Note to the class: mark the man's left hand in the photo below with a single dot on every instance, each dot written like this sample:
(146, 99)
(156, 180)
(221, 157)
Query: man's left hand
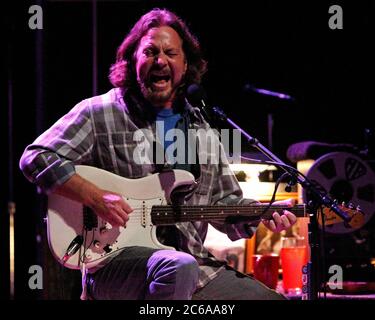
(281, 222)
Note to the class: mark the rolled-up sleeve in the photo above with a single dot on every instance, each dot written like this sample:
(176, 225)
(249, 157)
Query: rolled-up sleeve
(227, 191)
(238, 230)
(49, 161)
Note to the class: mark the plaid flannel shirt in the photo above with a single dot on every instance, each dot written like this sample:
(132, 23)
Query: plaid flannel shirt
(99, 132)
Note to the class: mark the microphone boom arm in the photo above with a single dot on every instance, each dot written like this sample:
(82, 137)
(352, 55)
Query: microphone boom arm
(301, 179)
(320, 199)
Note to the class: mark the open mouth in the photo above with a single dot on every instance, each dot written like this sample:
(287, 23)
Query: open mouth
(159, 80)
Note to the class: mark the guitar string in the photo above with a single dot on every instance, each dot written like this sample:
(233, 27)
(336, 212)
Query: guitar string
(197, 211)
(209, 213)
(212, 208)
(138, 213)
(221, 206)
(137, 218)
(215, 208)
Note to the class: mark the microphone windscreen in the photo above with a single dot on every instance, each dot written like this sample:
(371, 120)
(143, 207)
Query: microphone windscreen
(195, 93)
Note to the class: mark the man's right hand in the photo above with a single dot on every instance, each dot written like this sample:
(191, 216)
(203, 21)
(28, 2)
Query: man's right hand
(108, 205)
(111, 207)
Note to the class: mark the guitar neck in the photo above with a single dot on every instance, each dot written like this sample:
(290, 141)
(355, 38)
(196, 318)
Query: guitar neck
(164, 215)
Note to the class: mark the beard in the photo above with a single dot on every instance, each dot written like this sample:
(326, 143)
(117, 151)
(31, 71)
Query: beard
(155, 97)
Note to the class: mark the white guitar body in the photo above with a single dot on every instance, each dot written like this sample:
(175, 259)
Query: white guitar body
(150, 198)
(65, 218)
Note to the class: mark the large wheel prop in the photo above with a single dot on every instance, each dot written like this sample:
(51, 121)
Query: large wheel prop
(349, 180)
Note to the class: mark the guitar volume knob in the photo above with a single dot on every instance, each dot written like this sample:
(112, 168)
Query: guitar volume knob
(97, 244)
(103, 230)
(107, 248)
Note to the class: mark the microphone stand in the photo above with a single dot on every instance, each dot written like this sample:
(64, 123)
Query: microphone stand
(319, 199)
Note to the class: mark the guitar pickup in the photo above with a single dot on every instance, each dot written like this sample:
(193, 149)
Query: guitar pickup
(90, 219)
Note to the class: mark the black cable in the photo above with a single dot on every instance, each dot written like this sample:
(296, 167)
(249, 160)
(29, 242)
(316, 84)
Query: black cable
(62, 280)
(322, 241)
(84, 245)
(274, 192)
(81, 256)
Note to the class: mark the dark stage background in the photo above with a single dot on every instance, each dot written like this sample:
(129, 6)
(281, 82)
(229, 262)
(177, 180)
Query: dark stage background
(284, 46)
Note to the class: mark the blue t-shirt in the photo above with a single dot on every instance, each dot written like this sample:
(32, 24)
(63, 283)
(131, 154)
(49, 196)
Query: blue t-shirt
(178, 121)
(170, 120)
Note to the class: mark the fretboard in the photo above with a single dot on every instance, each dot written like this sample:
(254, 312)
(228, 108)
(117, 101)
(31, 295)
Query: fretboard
(162, 215)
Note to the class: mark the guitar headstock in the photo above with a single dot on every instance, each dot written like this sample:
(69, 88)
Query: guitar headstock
(354, 212)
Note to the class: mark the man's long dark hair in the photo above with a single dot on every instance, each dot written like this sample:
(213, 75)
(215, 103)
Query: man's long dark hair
(122, 72)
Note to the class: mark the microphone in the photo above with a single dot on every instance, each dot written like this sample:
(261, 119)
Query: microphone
(72, 248)
(249, 87)
(197, 96)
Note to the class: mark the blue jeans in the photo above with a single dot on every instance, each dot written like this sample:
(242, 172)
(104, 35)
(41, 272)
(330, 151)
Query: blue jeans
(233, 285)
(140, 273)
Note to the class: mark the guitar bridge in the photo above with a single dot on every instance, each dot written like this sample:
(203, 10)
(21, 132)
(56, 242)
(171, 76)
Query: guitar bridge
(143, 216)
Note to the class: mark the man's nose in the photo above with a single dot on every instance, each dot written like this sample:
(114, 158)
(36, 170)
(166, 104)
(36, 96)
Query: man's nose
(161, 60)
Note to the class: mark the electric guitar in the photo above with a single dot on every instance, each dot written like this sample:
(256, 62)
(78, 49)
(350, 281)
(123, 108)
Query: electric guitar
(77, 235)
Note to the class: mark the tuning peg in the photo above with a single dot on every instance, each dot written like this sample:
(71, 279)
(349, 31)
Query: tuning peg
(343, 204)
(351, 205)
(359, 209)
